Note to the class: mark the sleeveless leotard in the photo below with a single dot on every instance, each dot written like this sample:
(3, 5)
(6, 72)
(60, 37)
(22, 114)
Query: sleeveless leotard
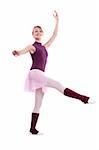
(39, 58)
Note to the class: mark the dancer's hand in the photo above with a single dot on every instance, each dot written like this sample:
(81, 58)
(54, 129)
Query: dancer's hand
(15, 53)
(55, 15)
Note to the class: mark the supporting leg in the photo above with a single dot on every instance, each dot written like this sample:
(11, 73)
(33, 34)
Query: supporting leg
(38, 101)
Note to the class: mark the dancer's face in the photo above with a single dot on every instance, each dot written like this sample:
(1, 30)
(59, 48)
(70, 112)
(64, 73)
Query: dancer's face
(37, 33)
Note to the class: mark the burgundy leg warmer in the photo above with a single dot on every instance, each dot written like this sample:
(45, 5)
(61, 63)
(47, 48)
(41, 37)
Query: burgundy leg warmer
(70, 93)
(33, 123)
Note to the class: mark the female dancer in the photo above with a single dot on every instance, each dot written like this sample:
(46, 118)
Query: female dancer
(36, 80)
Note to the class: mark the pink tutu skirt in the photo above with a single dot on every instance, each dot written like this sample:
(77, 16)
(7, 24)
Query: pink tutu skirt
(35, 79)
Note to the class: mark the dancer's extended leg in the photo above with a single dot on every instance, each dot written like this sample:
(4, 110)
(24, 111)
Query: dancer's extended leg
(66, 91)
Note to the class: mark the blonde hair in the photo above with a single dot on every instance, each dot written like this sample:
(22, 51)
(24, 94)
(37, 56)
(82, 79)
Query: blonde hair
(37, 27)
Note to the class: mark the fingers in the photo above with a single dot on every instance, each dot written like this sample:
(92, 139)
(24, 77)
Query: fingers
(15, 53)
(55, 14)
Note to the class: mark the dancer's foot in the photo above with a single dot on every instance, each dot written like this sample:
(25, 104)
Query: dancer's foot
(85, 99)
(34, 131)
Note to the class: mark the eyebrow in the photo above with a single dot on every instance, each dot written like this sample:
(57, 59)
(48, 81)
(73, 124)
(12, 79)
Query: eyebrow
(37, 30)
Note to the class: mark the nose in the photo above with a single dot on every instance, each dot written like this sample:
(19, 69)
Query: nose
(38, 34)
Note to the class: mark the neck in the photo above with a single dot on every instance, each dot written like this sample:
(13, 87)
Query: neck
(38, 40)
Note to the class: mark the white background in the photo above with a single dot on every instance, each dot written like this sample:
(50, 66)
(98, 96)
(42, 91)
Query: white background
(65, 123)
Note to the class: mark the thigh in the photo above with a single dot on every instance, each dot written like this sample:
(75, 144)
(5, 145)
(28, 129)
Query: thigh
(52, 83)
(55, 84)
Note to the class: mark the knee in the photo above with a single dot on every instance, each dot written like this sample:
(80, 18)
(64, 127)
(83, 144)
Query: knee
(57, 83)
(36, 109)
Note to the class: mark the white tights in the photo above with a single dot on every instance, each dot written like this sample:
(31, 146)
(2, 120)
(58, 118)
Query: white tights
(39, 94)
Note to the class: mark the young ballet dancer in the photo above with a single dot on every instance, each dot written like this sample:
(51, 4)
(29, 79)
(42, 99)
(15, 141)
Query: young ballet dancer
(36, 80)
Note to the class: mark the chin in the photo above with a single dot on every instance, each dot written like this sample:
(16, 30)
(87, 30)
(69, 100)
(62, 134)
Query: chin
(37, 38)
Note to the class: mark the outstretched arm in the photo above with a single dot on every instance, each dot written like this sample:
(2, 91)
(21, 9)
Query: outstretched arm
(29, 48)
(49, 42)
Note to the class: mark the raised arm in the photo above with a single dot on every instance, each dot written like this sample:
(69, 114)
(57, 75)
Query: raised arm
(29, 48)
(49, 42)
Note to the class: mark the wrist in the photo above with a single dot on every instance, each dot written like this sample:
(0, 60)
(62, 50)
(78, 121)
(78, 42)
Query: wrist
(57, 20)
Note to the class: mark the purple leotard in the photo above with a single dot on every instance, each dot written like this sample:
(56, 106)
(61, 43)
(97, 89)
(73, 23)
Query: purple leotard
(39, 58)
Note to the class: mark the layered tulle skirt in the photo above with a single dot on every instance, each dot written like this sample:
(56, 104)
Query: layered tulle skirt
(34, 80)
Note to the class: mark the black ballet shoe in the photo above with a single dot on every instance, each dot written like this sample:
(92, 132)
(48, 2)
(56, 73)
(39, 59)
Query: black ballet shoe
(34, 131)
(85, 99)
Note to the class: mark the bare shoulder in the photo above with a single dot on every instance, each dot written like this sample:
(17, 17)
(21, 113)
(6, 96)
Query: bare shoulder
(32, 48)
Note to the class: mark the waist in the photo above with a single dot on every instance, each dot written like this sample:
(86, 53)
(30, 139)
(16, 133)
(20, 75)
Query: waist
(40, 66)
(38, 69)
